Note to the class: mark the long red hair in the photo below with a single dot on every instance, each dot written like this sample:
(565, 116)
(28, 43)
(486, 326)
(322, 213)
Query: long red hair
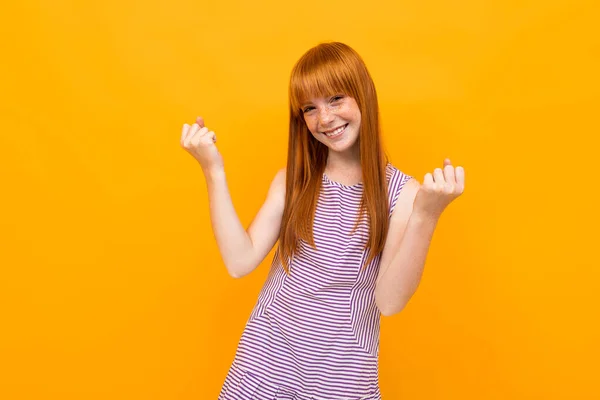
(325, 70)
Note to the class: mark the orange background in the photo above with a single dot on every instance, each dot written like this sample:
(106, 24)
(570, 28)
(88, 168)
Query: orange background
(111, 284)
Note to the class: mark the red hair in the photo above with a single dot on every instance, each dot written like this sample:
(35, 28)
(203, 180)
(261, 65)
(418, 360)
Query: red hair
(325, 70)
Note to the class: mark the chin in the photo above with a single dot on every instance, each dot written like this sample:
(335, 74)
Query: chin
(342, 147)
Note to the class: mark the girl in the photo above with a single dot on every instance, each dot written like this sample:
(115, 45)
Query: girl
(353, 236)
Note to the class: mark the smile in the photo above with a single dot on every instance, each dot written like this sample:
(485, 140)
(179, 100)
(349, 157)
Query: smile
(336, 132)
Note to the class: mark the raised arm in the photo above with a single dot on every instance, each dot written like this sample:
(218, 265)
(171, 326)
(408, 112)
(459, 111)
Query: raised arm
(242, 250)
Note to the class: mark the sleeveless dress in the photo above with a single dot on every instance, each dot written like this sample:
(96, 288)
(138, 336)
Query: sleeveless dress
(314, 335)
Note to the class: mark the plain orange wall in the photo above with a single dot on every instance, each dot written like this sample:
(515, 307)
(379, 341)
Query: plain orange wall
(111, 284)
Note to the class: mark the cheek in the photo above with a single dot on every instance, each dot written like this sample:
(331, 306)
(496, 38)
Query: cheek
(311, 124)
(351, 113)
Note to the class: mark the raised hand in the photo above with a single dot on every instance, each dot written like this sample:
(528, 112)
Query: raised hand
(439, 189)
(200, 143)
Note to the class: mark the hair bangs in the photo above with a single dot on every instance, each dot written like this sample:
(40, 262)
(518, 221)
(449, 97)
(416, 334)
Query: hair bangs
(316, 75)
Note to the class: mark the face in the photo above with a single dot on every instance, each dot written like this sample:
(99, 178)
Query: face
(333, 121)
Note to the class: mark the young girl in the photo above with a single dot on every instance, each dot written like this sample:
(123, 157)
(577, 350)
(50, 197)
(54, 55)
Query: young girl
(353, 236)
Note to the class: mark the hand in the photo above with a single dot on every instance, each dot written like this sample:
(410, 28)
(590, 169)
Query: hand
(200, 143)
(439, 190)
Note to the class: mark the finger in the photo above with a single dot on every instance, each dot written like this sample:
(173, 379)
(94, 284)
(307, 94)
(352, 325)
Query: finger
(460, 179)
(447, 162)
(184, 131)
(428, 180)
(210, 136)
(200, 121)
(438, 176)
(199, 136)
(449, 174)
(202, 132)
(194, 131)
(188, 134)
(202, 136)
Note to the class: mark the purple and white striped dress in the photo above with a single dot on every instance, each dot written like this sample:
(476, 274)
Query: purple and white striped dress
(314, 335)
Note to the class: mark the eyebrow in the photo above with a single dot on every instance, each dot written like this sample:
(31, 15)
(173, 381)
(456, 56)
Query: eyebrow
(309, 103)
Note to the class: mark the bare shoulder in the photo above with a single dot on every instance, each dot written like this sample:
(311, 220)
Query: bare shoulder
(277, 189)
(406, 197)
(404, 204)
(410, 189)
(280, 177)
(398, 222)
(278, 183)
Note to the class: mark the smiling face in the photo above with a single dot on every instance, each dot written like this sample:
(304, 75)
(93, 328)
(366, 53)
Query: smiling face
(333, 121)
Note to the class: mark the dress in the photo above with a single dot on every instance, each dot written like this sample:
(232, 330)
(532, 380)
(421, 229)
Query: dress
(314, 335)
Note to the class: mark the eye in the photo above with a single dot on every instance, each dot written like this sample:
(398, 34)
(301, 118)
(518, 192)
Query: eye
(307, 109)
(336, 98)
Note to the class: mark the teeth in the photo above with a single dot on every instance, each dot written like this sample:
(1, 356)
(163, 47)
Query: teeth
(337, 131)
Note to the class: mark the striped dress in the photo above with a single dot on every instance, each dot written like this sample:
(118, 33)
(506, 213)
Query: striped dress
(314, 335)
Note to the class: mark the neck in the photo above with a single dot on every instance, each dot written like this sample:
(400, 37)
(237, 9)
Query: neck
(349, 159)
(344, 166)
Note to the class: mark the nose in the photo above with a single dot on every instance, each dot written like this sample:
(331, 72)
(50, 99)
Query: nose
(325, 115)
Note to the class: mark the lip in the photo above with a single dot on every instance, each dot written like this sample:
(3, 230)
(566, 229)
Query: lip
(334, 129)
(331, 130)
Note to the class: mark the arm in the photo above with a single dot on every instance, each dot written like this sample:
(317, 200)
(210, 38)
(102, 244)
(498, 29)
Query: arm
(413, 222)
(242, 251)
(403, 256)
